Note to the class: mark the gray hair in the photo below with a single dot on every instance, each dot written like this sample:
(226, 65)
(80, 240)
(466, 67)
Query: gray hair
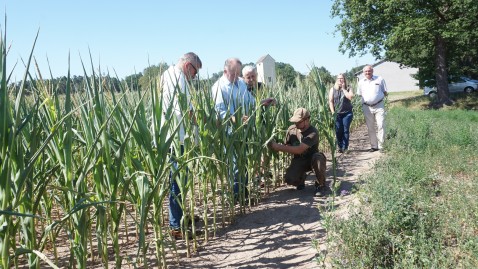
(367, 65)
(190, 57)
(230, 62)
(248, 68)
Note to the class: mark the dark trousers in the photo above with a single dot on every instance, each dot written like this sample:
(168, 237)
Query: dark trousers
(342, 129)
(295, 173)
(175, 210)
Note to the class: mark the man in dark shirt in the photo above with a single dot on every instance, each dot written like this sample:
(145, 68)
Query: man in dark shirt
(302, 140)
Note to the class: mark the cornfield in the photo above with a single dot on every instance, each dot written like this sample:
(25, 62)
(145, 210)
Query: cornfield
(86, 172)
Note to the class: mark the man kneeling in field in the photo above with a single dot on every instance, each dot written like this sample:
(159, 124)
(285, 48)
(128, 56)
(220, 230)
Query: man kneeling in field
(302, 140)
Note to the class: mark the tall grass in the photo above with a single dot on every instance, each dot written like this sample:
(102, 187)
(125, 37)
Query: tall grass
(418, 208)
(84, 170)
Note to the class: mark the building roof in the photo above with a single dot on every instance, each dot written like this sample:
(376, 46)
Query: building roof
(263, 58)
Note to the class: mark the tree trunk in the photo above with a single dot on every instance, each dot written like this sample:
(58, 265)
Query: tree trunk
(441, 73)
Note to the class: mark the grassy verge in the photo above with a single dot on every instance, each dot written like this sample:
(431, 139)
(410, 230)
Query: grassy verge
(392, 96)
(418, 208)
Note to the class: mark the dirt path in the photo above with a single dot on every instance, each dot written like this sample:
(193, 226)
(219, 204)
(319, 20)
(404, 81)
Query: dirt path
(278, 232)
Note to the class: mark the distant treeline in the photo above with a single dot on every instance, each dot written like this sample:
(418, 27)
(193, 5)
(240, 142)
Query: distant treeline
(284, 71)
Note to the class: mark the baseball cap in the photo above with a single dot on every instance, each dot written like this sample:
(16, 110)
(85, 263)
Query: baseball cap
(300, 114)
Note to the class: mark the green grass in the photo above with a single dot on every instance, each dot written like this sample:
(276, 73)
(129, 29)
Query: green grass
(393, 96)
(419, 205)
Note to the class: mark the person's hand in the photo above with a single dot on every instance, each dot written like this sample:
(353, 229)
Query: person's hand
(272, 145)
(268, 101)
(245, 119)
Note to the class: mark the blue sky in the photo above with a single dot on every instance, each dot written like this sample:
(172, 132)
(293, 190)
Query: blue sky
(127, 36)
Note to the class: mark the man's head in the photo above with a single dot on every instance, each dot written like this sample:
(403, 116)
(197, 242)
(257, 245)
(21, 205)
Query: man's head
(190, 65)
(368, 71)
(232, 69)
(301, 118)
(249, 73)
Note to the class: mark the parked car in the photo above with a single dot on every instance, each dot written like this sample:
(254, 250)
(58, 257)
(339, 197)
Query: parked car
(462, 84)
(469, 79)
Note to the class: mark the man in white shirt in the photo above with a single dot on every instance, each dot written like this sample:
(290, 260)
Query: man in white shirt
(373, 90)
(175, 84)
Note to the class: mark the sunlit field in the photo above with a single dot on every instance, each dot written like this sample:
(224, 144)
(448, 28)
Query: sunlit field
(85, 172)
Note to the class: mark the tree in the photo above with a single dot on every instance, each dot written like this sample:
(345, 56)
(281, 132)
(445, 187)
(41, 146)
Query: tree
(324, 74)
(285, 72)
(150, 73)
(434, 36)
(131, 82)
(350, 75)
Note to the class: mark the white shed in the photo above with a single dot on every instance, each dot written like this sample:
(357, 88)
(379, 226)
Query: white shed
(266, 70)
(397, 79)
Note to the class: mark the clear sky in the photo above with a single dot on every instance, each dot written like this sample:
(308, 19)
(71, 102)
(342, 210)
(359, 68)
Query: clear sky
(127, 36)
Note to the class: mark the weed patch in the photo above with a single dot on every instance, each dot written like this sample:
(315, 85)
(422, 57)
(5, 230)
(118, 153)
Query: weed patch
(419, 206)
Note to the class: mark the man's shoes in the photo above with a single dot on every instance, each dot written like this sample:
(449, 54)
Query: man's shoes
(373, 150)
(196, 219)
(321, 191)
(341, 151)
(177, 235)
(300, 187)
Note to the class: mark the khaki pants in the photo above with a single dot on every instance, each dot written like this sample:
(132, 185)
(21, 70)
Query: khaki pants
(375, 120)
(295, 173)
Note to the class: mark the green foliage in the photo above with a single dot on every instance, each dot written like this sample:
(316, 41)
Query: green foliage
(151, 73)
(214, 77)
(286, 73)
(325, 77)
(432, 36)
(417, 208)
(131, 82)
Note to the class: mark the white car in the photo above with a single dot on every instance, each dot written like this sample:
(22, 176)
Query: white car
(462, 84)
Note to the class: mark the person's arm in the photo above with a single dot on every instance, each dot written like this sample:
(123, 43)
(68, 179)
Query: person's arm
(219, 103)
(348, 93)
(331, 100)
(268, 101)
(296, 150)
(359, 89)
(384, 88)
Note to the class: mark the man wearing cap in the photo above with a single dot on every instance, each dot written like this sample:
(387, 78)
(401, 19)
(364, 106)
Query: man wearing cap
(373, 90)
(302, 140)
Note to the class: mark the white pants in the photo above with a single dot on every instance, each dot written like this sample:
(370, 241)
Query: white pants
(375, 120)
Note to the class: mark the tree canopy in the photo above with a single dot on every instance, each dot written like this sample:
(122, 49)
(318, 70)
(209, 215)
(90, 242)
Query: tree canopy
(435, 36)
(286, 72)
(324, 75)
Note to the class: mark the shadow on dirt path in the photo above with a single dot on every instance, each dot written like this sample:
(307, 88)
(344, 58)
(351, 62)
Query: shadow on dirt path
(278, 232)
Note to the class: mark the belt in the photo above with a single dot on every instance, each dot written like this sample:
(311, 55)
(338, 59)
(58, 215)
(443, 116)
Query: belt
(374, 104)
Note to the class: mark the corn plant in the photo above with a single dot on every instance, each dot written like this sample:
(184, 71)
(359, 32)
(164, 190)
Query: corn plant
(86, 163)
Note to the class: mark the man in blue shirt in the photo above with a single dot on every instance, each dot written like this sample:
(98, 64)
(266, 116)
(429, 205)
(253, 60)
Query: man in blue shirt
(233, 100)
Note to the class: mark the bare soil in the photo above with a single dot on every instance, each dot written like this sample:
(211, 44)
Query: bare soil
(278, 232)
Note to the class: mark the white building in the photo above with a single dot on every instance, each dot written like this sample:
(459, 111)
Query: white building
(397, 79)
(266, 70)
